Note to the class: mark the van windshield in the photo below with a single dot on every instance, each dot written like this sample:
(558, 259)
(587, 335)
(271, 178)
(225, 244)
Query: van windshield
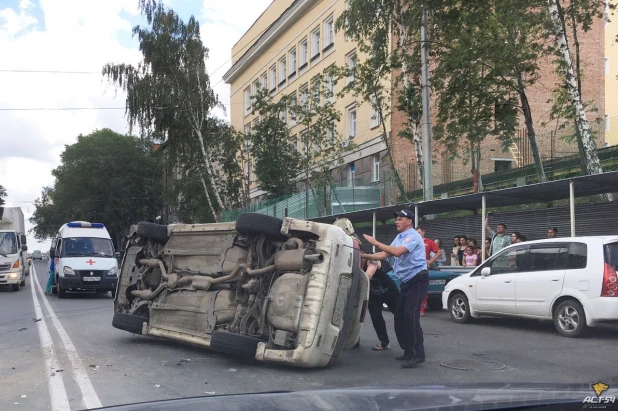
(86, 247)
(8, 243)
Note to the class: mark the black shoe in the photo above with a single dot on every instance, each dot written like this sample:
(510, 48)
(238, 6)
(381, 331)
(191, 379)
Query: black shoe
(404, 357)
(357, 345)
(413, 363)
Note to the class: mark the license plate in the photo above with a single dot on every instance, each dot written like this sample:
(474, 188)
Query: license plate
(437, 282)
(91, 278)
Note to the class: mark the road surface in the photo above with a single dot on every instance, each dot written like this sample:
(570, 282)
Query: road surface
(74, 359)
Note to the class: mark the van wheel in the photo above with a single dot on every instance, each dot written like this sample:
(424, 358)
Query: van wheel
(61, 291)
(243, 346)
(23, 282)
(256, 223)
(459, 307)
(151, 230)
(570, 319)
(15, 287)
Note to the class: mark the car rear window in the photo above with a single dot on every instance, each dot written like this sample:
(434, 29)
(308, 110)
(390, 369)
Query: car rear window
(610, 254)
(578, 256)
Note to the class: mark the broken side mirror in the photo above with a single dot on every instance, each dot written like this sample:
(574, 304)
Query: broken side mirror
(24, 239)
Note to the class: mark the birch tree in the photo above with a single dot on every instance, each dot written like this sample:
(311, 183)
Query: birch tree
(169, 95)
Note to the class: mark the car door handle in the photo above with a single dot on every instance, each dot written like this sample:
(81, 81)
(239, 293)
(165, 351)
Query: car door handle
(555, 280)
(507, 281)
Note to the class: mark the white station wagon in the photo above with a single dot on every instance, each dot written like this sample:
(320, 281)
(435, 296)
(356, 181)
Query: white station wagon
(572, 281)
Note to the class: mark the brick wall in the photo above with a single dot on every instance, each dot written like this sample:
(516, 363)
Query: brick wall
(551, 143)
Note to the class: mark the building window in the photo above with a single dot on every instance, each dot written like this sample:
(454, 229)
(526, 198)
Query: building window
(255, 88)
(606, 65)
(294, 144)
(351, 175)
(292, 58)
(264, 81)
(247, 100)
(350, 60)
(303, 52)
(329, 32)
(502, 165)
(292, 106)
(376, 167)
(606, 122)
(304, 95)
(256, 123)
(352, 122)
(374, 120)
(330, 136)
(273, 78)
(283, 116)
(315, 43)
(282, 70)
(330, 88)
(248, 129)
(315, 91)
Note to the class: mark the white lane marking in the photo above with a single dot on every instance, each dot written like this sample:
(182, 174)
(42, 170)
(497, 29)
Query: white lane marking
(57, 392)
(89, 396)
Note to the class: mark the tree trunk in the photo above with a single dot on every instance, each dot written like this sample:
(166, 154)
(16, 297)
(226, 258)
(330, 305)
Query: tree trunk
(209, 171)
(534, 148)
(212, 210)
(590, 151)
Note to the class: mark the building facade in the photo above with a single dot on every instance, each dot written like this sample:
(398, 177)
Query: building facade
(290, 44)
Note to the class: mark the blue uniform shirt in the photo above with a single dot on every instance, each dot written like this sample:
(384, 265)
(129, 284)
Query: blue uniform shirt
(410, 263)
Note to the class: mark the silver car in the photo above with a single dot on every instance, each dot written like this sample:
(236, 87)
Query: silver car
(287, 291)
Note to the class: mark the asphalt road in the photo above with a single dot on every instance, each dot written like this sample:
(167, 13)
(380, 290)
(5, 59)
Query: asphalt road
(105, 366)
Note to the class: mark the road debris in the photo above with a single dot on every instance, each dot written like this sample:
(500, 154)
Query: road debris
(209, 392)
(23, 396)
(22, 329)
(157, 385)
(184, 360)
(36, 320)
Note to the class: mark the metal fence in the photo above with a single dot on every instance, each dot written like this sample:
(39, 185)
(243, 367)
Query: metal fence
(499, 168)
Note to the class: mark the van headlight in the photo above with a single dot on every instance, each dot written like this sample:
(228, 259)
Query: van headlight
(113, 272)
(68, 271)
(14, 275)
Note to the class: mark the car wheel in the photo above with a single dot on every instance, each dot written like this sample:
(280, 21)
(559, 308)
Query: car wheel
(459, 307)
(129, 322)
(434, 303)
(151, 230)
(15, 287)
(255, 223)
(61, 291)
(243, 346)
(570, 319)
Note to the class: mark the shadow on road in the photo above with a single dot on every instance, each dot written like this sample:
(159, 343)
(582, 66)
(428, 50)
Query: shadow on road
(603, 331)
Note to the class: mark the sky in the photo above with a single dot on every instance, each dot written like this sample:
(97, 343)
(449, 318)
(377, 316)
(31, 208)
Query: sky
(51, 55)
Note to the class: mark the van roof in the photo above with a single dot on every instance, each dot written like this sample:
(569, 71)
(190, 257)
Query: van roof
(83, 229)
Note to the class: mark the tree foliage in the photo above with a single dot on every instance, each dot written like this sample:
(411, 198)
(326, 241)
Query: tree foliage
(270, 144)
(103, 177)
(2, 195)
(169, 96)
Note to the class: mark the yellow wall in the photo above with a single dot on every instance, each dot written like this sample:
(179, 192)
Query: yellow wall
(611, 82)
(303, 26)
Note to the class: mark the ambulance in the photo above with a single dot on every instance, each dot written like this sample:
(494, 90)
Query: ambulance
(84, 259)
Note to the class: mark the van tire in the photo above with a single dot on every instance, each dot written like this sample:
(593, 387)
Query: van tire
(129, 322)
(15, 287)
(255, 224)
(243, 346)
(153, 231)
(570, 319)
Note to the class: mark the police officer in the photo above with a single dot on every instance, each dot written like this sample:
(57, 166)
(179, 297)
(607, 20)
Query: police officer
(410, 267)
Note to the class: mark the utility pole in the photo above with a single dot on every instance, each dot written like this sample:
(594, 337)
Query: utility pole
(426, 126)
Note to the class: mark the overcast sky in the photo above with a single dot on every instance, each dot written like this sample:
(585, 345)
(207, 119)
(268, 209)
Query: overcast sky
(82, 35)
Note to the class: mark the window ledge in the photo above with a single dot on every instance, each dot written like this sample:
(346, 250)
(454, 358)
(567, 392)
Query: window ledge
(303, 66)
(330, 46)
(292, 74)
(281, 83)
(315, 57)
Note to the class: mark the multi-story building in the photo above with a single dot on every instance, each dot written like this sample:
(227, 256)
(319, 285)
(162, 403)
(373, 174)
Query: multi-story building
(290, 44)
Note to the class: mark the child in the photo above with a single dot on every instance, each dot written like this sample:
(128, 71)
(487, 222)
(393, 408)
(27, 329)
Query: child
(470, 258)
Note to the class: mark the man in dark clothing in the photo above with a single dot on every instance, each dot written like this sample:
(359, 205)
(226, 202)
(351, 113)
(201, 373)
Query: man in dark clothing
(382, 290)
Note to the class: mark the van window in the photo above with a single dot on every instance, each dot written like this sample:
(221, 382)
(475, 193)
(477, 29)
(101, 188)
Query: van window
(610, 253)
(547, 258)
(86, 247)
(578, 256)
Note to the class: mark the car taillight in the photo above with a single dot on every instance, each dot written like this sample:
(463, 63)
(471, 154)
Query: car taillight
(610, 282)
(363, 312)
(16, 265)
